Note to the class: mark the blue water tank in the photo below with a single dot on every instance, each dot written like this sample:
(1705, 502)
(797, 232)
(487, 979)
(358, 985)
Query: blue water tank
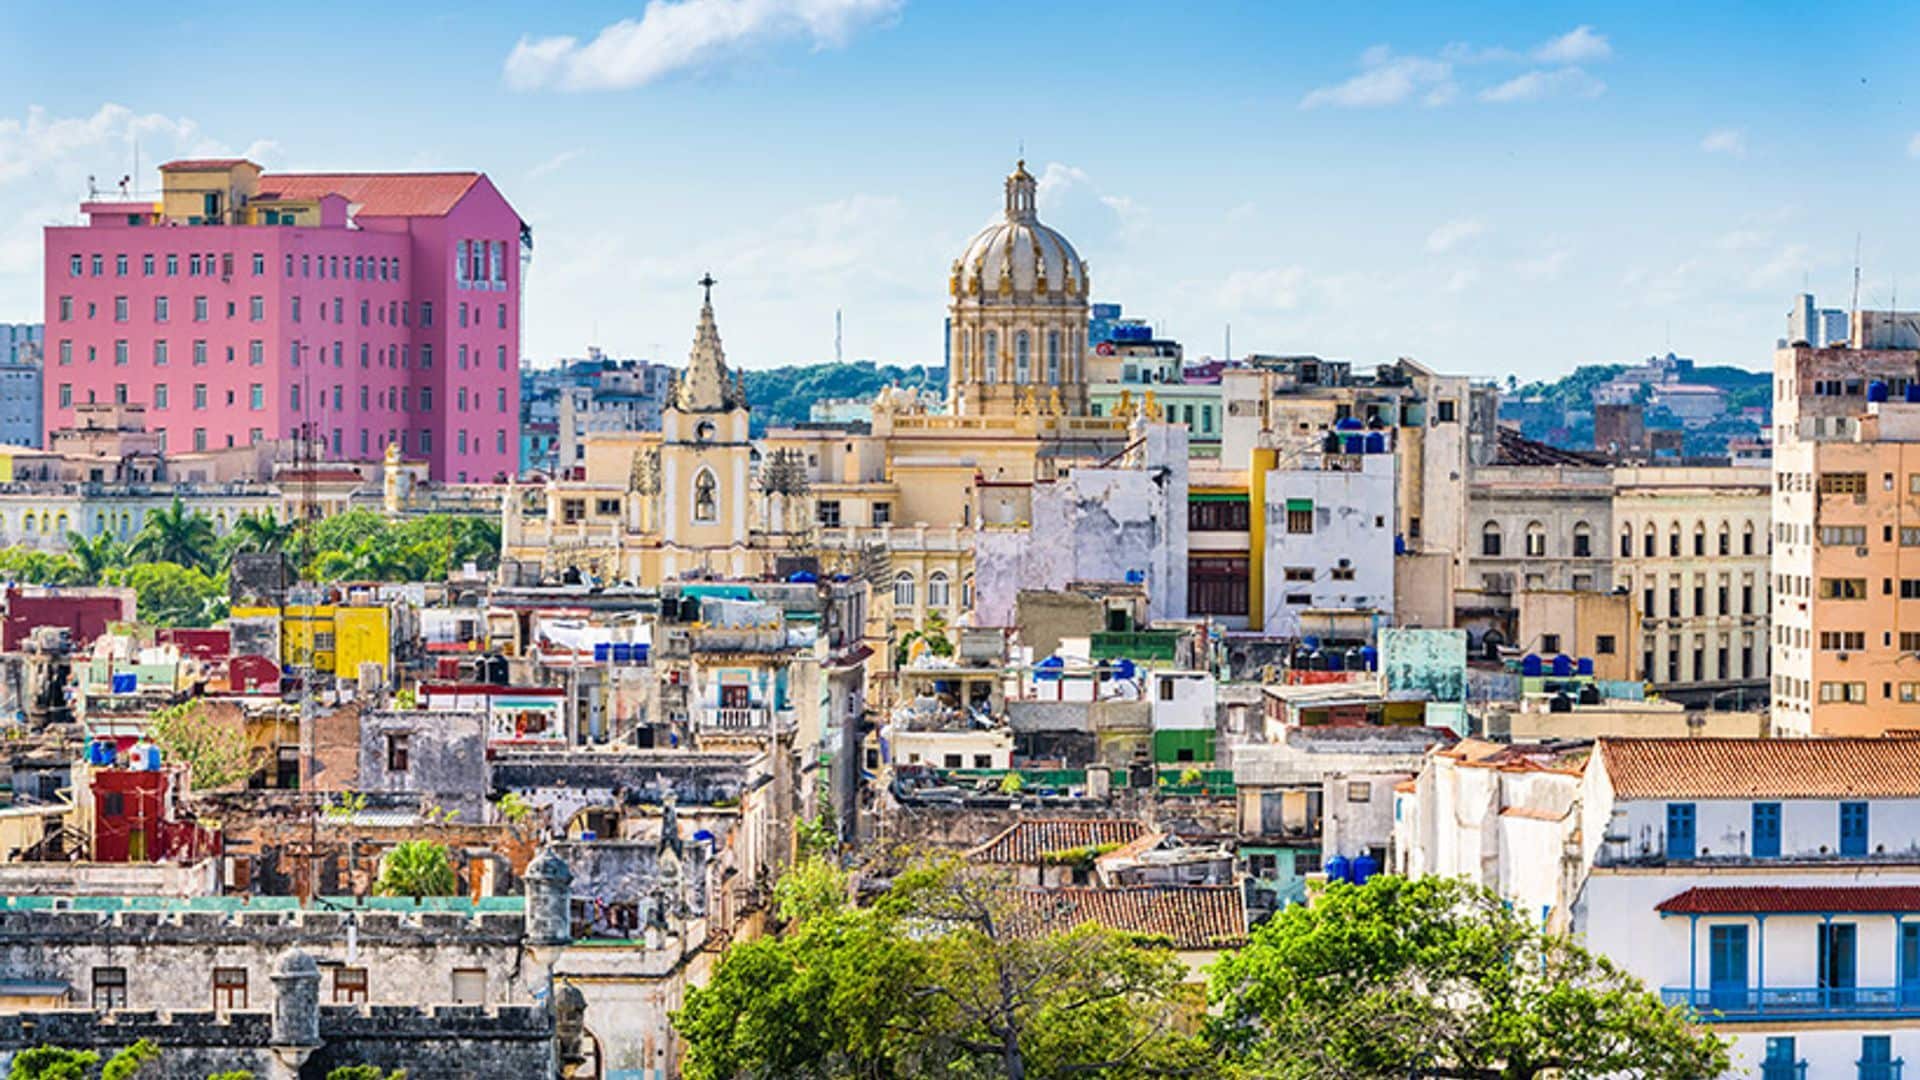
(1136, 577)
(1562, 666)
(1913, 393)
(153, 758)
(1123, 669)
(1399, 544)
(622, 652)
(1371, 657)
(1334, 663)
(1348, 424)
(1376, 443)
(602, 652)
(1355, 443)
(125, 684)
(1048, 670)
(1876, 391)
(1364, 867)
(1530, 666)
(1312, 643)
(803, 577)
(1338, 868)
(1585, 667)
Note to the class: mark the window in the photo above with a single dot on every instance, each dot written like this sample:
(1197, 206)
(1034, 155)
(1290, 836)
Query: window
(1022, 357)
(1536, 539)
(1300, 517)
(200, 395)
(1446, 411)
(349, 985)
(1582, 541)
(200, 353)
(1217, 515)
(120, 352)
(1853, 828)
(469, 986)
(1680, 818)
(119, 309)
(1359, 791)
(1849, 693)
(173, 266)
(109, 988)
(903, 588)
(826, 513)
(1843, 588)
(706, 496)
(1217, 585)
(159, 395)
(1843, 535)
(1490, 539)
(1550, 643)
(1766, 830)
(256, 308)
(397, 746)
(938, 592)
(1843, 483)
(199, 309)
(1843, 640)
(229, 988)
(1603, 645)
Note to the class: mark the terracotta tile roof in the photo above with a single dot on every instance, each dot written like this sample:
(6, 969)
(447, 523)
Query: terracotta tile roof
(377, 194)
(1774, 768)
(1026, 843)
(1189, 916)
(199, 164)
(1534, 813)
(1513, 448)
(1787, 900)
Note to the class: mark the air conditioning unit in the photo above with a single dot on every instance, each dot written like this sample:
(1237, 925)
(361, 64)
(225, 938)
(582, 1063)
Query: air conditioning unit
(1860, 551)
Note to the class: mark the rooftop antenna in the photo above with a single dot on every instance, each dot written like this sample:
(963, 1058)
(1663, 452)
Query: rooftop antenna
(1229, 356)
(836, 336)
(1854, 310)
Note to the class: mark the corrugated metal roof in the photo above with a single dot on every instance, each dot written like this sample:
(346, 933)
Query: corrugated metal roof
(1763, 768)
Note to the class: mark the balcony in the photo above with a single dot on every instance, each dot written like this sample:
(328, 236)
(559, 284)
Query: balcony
(742, 720)
(1801, 1003)
(1880, 1070)
(1783, 1070)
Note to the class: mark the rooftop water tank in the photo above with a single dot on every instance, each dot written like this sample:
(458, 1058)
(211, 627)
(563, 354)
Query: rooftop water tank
(1562, 666)
(1370, 656)
(1530, 666)
(1338, 868)
(1376, 443)
(1364, 867)
(1585, 666)
(1876, 391)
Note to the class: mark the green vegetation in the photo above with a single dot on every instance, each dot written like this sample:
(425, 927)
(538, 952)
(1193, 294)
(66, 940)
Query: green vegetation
(782, 396)
(1435, 977)
(933, 632)
(365, 1072)
(215, 753)
(56, 1063)
(417, 868)
(361, 545)
(933, 980)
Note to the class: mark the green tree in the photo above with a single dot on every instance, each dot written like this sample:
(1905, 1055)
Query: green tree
(933, 632)
(261, 531)
(131, 1062)
(365, 1072)
(57, 1063)
(32, 567)
(93, 558)
(1434, 977)
(173, 595)
(174, 534)
(948, 975)
(215, 754)
(417, 868)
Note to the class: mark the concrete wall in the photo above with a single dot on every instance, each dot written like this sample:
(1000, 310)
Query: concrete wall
(1346, 561)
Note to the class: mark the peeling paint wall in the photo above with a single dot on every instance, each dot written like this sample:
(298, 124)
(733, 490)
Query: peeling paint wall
(1346, 561)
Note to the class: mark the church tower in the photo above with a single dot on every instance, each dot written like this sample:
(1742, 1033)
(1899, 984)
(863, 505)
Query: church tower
(702, 479)
(1017, 317)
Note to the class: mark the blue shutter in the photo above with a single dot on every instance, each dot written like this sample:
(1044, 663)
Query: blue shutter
(1680, 831)
(1766, 830)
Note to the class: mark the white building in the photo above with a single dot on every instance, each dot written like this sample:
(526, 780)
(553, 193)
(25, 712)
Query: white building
(1329, 540)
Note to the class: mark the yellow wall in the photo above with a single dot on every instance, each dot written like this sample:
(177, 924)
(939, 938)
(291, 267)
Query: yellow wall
(358, 634)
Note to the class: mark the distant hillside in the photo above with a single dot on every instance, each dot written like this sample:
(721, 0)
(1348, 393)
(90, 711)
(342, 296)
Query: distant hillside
(781, 396)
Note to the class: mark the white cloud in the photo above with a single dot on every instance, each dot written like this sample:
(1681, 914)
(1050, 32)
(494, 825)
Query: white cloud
(553, 164)
(673, 35)
(1387, 79)
(1577, 46)
(1725, 141)
(1072, 202)
(1264, 290)
(1913, 147)
(1453, 234)
(1462, 279)
(106, 138)
(1543, 267)
(1783, 269)
(1539, 83)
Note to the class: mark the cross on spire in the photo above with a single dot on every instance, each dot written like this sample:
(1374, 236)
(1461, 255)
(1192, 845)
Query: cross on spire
(707, 282)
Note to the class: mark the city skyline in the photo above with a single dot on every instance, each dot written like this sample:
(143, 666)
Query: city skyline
(1681, 179)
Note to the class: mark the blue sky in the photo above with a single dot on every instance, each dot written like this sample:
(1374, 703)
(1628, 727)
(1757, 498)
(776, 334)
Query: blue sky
(1518, 188)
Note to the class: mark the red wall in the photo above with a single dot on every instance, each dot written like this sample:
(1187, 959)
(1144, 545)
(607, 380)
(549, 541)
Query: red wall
(84, 615)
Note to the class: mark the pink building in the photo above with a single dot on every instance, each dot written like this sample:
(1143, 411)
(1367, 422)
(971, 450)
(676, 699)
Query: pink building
(362, 308)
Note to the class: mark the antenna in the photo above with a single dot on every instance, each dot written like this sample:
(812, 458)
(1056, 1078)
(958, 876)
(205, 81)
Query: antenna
(1855, 309)
(836, 336)
(1229, 356)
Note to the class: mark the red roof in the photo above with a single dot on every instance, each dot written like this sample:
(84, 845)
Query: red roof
(1793, 900)
(1831, 768)
(1029, 842)
(200, 164)
(377, 194)
(1188, 916)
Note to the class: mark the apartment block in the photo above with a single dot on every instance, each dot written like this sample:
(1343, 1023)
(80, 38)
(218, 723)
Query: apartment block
(354, 310)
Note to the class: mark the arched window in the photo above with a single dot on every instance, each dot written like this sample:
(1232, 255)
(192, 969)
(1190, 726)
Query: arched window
(1651, 539)
(1053, 357)
(1726, 539)
(706, 496)
(1673, 540)
(1700, 538)
(1022, 358)
(966, 592)
(903, 589)
(990, 357)
(937, 591)
(964, 346)
(1746, 540)
(1536, 539)
(1582, 541)
(1626, 541)
(27, 524)
(1490, 539)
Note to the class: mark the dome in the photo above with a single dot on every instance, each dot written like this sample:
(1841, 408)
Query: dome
(1018, 259)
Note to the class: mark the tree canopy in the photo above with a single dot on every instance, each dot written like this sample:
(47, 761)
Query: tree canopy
(417, 868)
(946, 976)
(1433, 977)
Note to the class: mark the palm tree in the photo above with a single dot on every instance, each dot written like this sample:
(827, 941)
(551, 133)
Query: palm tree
(261, 532)
(95, 557)
(417, 868)
(176, 535)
